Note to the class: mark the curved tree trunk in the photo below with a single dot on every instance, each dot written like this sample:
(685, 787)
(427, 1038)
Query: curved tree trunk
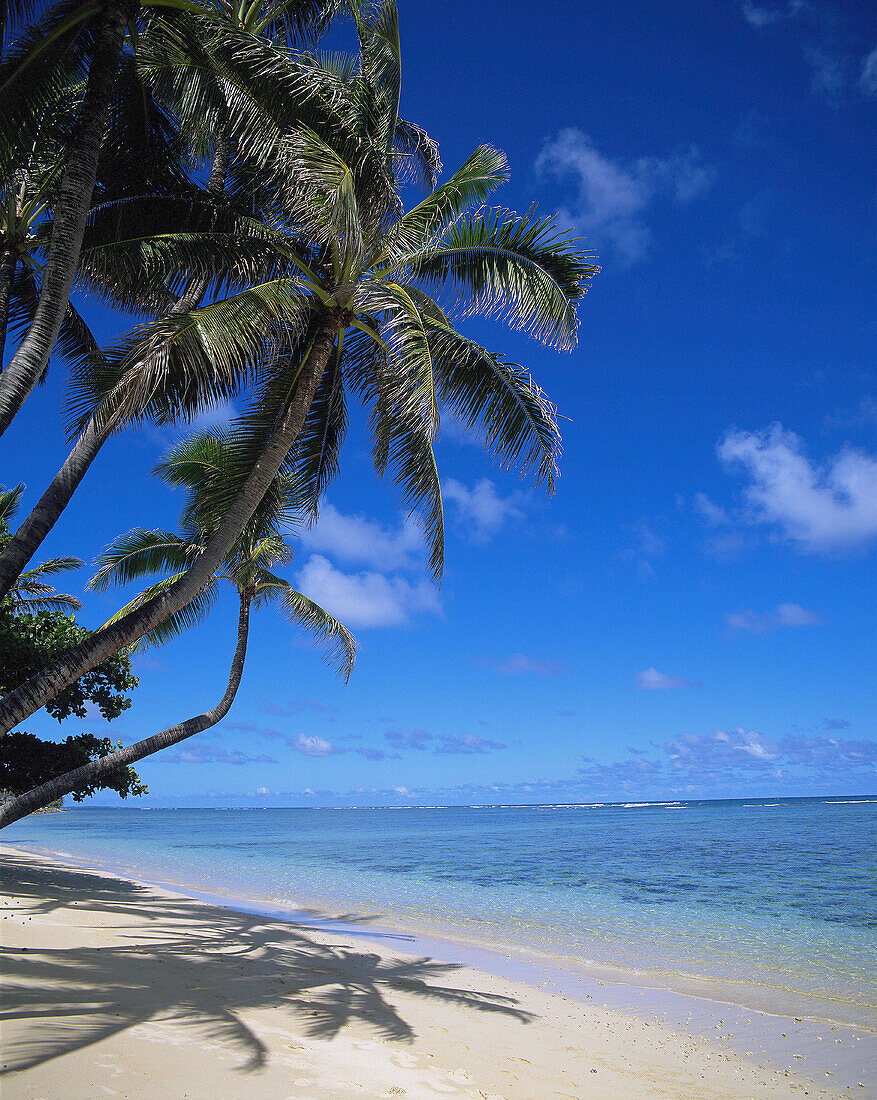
(29, 536)
(24, 544)
(74, 200)
(7, 274)
(56, 788)
(30, 696)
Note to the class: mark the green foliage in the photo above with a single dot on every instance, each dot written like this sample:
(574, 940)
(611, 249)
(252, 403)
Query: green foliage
(27, 761)
(30, 642)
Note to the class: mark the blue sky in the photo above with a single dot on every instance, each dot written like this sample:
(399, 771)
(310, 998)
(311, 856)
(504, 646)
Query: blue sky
(693, 613)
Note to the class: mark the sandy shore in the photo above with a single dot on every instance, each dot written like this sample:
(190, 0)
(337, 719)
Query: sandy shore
(112, 988)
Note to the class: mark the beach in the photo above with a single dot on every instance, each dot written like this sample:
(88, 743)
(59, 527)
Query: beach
(116, 988)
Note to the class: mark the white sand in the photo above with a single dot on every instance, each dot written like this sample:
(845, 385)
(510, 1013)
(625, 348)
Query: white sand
(111, 988)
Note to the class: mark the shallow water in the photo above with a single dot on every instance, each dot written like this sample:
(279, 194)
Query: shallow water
(772, 903)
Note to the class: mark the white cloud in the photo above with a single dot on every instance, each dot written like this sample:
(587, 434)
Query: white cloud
(481, 508)
(652, 680)
(357, 539)
(612, 197)
(785, 614)
(828, 71)
(714, 514)
(519, 664)
(467, 745)
(365, 599)
(868, 79)
(832, 507)
(720, 749)
(314, 746)
(757, 15)
(213, 754)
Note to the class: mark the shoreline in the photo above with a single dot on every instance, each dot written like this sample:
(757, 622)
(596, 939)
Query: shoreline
(710, 1031)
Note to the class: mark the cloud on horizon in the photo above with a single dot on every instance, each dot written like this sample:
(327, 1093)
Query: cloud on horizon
(612, 198)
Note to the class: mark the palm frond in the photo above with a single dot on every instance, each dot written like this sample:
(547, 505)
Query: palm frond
(31, 605)
(402, 438)
(331, 212)
(498, 401)
(521, 269)
(339, 644)
(313, 463)
(485, 170)
(179, 365)
(417, 155)
(140, 553)
(9, 502)
(189, 616)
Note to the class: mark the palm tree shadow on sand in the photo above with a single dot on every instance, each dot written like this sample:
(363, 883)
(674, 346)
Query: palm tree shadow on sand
(198, 968)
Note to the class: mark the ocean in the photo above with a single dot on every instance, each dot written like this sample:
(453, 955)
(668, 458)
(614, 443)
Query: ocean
(771, 903)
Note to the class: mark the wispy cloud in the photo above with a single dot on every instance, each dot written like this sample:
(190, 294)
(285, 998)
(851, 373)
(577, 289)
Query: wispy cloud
(213, 754)
(354, 538)
(420, 741)
(314, 745)
(611, 198)
(467, 744)
(652, 680)
(481, 510)
(831, 507)
(819, 30)
(868, 79)
(519, 665)
(295, 707)
(784, 614)
(706, 762)
(365, 599)
(408, 738)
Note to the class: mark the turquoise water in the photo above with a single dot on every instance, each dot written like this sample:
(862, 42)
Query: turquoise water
(772, 903)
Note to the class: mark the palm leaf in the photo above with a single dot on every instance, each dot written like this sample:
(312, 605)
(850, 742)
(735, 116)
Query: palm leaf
(140, 553)
(339, 643)
(521, 269)
(497, 400)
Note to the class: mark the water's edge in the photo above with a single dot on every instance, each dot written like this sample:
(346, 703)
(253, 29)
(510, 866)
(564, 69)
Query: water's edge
(835, 1053)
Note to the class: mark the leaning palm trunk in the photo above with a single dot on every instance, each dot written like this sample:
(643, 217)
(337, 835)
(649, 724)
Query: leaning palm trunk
(51, 504)
(74, 200)
(7, 274)
(29, 537)
(36, 692)
(56, 788)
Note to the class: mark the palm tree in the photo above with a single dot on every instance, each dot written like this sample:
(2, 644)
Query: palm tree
(31, 592)
(59, 33)
(216, 89)
(201, 465)
(68, 36)
(359, 308)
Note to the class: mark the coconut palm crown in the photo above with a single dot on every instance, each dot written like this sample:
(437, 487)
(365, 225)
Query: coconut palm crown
(200, 465)
(366, 302)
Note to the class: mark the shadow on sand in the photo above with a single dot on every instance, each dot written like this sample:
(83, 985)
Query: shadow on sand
(182, 962)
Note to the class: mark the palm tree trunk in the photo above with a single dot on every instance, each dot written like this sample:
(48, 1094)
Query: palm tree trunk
(27, 539)
(30, 696)
(29, 536)
(74, 200)
(36, 799)
(7, 274)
